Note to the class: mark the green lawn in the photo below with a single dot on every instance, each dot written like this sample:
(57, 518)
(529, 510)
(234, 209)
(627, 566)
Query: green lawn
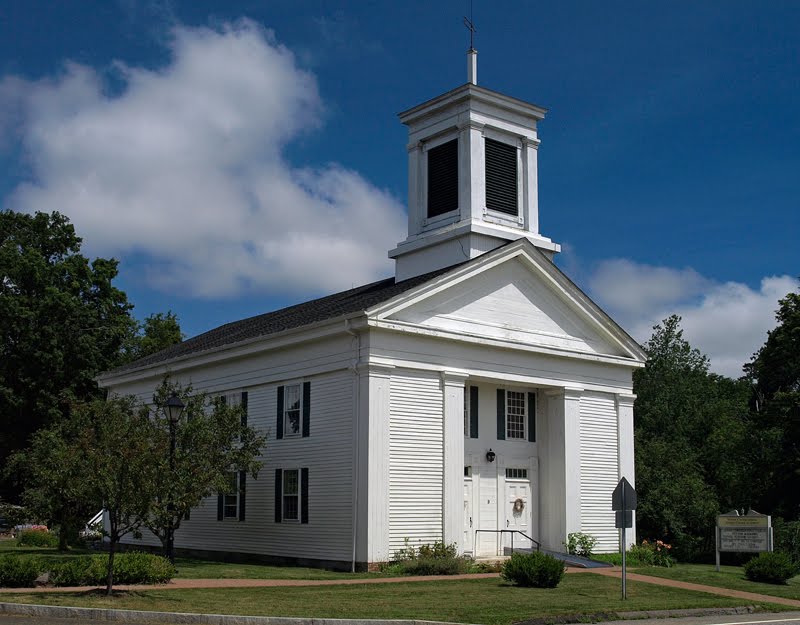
(189, 568)
(728, 577)
(488, 601)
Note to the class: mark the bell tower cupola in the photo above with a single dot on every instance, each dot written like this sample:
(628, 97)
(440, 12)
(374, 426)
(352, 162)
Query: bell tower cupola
(472, 177)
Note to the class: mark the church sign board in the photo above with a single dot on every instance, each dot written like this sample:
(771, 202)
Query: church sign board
(750, 533)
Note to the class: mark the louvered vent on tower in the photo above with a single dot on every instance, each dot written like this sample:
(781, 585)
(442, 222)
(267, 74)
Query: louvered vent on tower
(501, 177)
(443, 178)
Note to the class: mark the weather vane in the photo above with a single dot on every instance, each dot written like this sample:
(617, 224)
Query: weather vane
(470, 26)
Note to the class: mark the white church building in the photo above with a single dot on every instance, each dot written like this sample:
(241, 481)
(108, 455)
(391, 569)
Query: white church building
(478, 397)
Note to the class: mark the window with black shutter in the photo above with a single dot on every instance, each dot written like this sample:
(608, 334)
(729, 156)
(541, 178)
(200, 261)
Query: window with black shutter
(501, 177)
(443, 178)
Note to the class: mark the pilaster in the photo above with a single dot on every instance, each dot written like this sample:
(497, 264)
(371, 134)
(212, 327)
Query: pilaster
(416, 207)
(471, 171)
(453, 425)
(374, 381)
(530, 193)
(625, 441)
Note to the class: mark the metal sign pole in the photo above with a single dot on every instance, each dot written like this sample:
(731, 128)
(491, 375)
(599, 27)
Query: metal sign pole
(716, 541)
(624, 548)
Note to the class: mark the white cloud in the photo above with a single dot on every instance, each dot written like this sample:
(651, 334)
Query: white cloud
(727, 321)
(185, 167)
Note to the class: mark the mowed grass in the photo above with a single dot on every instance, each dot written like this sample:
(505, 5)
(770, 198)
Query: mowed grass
(728, 577)
(489, 601)
(189, 568)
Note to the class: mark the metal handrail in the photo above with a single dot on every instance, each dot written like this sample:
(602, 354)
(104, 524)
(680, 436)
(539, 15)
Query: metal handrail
(512, 532)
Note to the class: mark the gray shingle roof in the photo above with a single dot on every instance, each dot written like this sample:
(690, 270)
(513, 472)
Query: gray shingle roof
(328, 307)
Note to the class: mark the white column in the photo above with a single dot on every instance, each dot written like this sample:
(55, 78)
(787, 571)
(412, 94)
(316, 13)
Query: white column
(530, 184)
(471, 171)
(625, 442)
(374, 446)
(560, 449)
(416, 205)
(572, 457)
(453, 478)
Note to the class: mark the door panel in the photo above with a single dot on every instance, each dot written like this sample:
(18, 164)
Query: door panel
(518, 512)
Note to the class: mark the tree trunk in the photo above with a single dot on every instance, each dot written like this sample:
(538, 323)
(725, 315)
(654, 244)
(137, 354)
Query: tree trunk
(62, 537)
(110, 573)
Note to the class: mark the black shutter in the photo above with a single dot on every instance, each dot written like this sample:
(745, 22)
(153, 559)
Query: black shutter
(279, 426)
(306, 408)
(473, 412)
(278, 494)
(244, 409)
(220, 506)
(304, 495)
(443, 178)
(223, 399)
(501, 177)
(532, 417)
(242, 493)
(501, 414)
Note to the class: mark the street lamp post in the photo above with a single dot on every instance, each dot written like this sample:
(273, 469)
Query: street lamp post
(174, 409)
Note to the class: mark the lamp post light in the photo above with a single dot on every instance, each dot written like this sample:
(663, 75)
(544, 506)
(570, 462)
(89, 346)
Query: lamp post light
(174, 408)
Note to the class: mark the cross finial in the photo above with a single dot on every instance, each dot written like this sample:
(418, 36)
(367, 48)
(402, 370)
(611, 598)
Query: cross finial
(471, 27)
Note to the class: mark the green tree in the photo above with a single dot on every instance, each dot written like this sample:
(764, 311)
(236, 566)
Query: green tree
(775, 375)
(690, 435)
(104, 456)
(211, 439)
(156, 332)
(61, 322)
(53, 469)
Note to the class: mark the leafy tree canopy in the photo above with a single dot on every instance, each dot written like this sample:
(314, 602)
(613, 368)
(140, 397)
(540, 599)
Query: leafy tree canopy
(690, 436)
(157, 332)
(775, 374)
(61, 322)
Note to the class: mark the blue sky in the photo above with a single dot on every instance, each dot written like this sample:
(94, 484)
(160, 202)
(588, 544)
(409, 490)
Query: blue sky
(242, 156)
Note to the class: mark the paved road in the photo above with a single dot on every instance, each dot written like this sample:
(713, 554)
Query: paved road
(767, 618)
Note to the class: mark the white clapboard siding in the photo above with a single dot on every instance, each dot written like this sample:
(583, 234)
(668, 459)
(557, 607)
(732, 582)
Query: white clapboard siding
(599, 468)
(415, 458)
(327, 453)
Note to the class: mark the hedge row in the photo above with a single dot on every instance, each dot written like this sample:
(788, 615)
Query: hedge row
(133, 567)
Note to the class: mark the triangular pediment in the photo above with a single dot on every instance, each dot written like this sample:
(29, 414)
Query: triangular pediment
(521, 298)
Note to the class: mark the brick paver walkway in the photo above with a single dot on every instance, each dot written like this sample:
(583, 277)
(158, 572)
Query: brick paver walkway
(716, 590)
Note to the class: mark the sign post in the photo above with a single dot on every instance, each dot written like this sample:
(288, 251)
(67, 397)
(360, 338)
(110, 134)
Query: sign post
(751, 532)
(623, 502)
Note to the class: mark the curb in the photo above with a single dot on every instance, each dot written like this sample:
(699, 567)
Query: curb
(597, 617)
(138, 616)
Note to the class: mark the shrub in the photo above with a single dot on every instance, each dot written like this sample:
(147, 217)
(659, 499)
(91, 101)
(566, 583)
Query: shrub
(19, 571)
(37, 538)
(580, 544)
(136, 567)
(649, 553)
(536, 570)
(436, 559)
(80, 571)
(772, 568)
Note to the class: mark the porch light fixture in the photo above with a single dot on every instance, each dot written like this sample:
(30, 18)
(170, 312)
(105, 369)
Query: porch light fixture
(490, 455)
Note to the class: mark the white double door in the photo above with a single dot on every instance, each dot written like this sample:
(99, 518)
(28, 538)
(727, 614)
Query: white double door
(485, 511)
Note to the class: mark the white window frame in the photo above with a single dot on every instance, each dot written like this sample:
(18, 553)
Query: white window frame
(522, 473)
(287, 430)
(296, 495)
(525, 411)
(466, 412)
(234, 496)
